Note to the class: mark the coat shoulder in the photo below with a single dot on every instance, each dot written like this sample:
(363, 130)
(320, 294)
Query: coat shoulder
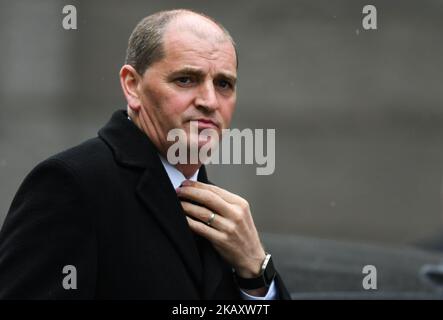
(91, 158)
(92, 152)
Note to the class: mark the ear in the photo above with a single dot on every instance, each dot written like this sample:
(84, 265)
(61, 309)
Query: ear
(130, 81)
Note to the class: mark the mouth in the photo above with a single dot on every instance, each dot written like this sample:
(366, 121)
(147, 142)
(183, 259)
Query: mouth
(205, 123)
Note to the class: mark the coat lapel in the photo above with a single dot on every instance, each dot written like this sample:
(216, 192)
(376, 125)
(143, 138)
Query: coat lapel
(132, 148)
(158, 195)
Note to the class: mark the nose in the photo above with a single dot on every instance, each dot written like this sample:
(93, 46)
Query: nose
(207, 98)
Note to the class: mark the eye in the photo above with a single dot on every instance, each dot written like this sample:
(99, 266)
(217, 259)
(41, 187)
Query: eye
(184, 81)
(224, 84)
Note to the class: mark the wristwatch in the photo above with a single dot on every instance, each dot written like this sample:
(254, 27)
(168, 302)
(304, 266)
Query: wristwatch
(267, 274)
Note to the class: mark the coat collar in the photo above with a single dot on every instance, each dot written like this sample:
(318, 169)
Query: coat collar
(132, 148)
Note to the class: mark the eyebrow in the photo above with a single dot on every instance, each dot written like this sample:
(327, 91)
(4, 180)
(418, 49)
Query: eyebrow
(198, 72)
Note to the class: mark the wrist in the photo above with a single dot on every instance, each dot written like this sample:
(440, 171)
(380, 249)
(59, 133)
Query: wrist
(262, 281)
(252, 269)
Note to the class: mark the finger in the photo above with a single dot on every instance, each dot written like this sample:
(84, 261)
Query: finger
(206, 198)
(203, 230)
(224, 194)
(204, 215)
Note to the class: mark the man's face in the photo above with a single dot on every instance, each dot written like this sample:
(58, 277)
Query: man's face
(195, 81)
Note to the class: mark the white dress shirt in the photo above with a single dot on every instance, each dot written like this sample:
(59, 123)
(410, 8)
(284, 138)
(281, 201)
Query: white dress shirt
(177, 179)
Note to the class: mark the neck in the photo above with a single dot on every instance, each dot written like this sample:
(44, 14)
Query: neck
(188, 170)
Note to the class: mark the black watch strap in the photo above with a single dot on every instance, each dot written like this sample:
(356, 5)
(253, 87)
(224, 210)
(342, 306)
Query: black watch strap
(267, 274)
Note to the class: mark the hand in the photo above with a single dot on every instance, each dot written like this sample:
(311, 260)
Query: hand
(232, 231)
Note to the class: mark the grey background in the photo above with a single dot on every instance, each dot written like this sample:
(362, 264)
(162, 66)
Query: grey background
(358, 114)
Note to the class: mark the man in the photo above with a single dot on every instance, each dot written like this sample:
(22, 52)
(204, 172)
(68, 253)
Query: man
(112, 219)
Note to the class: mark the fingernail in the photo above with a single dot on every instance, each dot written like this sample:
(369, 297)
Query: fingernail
(177, 190)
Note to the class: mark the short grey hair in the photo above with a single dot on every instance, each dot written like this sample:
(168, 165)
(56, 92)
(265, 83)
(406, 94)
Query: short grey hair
(145, 45)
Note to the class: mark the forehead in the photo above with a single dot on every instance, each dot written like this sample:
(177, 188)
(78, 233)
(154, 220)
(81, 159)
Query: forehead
(199, 43)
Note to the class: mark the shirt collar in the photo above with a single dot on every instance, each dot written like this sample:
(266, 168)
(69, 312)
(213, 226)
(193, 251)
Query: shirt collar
(174, 175)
